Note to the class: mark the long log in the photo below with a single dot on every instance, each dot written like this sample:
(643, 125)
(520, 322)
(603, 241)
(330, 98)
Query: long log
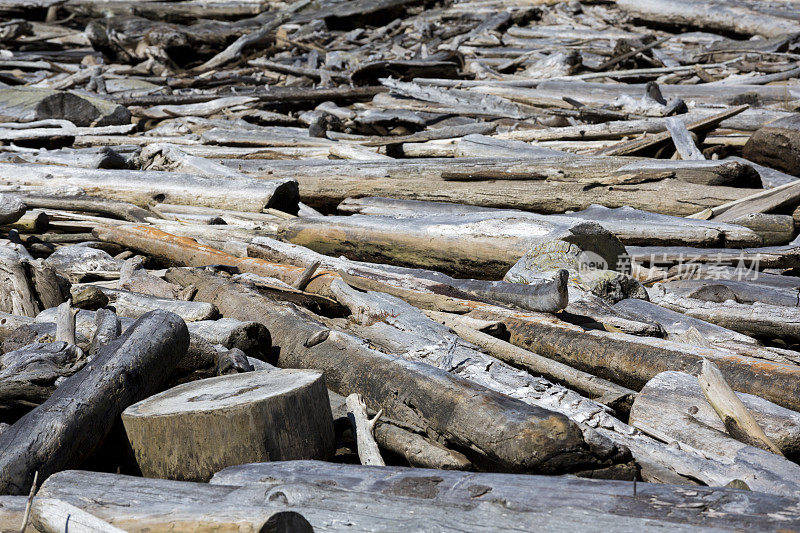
(71, 424)
(631, 226)
(413, 393)
(419, 502)
(324, 184)
(145, 187)
(470, 245)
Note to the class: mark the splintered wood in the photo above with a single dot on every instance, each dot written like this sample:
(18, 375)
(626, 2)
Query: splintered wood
(380, 265)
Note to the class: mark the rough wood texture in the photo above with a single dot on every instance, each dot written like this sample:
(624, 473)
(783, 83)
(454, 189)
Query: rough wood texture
(364, 429)
(69, 426)
(776, 145)
(738, 420)
(195, 429)
(560, 503)
(55, 516)
(467, 415)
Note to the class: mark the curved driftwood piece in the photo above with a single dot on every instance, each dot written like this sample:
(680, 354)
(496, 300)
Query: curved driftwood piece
(197, 428)
(364, 429)
(90, 204)
(69, 426)
(506, 431)
(674, 418)
(54, 516)
(416, 501)
(738, 420)
(145, 187)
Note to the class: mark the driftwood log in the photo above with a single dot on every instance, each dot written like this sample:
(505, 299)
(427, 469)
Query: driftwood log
(71, 424)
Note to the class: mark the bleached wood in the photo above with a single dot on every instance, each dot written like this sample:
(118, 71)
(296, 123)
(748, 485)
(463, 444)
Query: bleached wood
(364, 428)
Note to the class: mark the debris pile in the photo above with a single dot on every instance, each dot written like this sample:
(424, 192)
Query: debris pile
(272, 266)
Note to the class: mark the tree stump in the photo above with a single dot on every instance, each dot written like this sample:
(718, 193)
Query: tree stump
(196, 429)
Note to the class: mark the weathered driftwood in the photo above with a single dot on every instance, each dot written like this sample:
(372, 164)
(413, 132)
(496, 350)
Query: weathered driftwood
(364, 428)
(419, 450)
(143, 188)
(27, 104)
(474, 245)
(325, 184)
(599, 389)
(720, 307)
(631, 226)
(776, 145)
(251, 337)
(16, 294)
(67, 427)
(782, 257)
(28, 375)
(763, 201)
(631, 360)
(107, 328)
(133, 305)
(738, 420)
(195, 429)
(681, 393)
(11, 209)
(670, 415)
(395, 385)
(55, 516)
(134, 504)
(78, 262)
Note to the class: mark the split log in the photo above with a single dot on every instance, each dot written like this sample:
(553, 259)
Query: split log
(415, 394)
(70, 425)
(195, 429)
(145, 187)
(544, 502)
(782, 196)
(363, 429)
(776, 145)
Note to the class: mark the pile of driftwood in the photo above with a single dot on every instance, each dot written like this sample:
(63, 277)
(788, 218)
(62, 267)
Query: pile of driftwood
(399, 265)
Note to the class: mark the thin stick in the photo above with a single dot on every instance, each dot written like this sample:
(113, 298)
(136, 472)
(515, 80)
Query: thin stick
(30, 502)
